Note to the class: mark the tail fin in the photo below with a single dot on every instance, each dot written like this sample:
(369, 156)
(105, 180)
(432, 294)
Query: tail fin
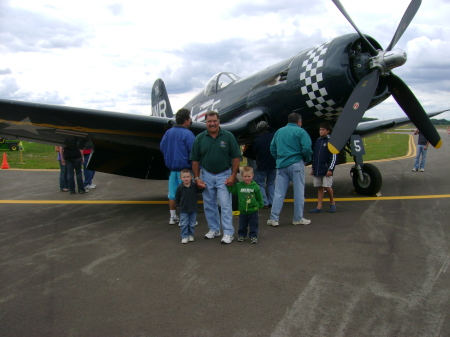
(160, 100)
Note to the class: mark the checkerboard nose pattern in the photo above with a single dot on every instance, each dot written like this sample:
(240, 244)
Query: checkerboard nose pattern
(312, 86)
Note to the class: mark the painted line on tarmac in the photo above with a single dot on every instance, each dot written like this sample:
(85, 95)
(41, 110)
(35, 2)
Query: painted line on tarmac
(138, 202)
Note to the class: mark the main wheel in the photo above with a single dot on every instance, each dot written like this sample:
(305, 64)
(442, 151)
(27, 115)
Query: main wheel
(372, 180)
(14, 147)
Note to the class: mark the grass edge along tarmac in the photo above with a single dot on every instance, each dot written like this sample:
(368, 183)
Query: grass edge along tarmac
(41, 156)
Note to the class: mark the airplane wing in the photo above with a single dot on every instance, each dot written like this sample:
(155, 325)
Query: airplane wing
(124, 144)
(373, 127)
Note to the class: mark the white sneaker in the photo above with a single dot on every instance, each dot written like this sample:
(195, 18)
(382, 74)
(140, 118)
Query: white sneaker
(191, 238)
(212, 234)
(92, 186)
(227, 239)
(273, 223)
(303, 221)
(173, 220)
(422, 170)
(414, 170)
(185, 240)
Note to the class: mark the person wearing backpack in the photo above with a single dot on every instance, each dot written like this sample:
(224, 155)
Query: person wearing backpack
(72, 157)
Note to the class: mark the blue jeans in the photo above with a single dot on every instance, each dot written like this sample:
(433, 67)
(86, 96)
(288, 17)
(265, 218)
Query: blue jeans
(63, 181)
(187, 223)
(296, 174)
(264, 178)
(421, 151)
(216, 189)
(248, 222)
(88, 174)
(71, 165)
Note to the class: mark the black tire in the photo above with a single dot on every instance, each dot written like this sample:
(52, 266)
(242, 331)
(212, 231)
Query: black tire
(14, 147)
(372, 180)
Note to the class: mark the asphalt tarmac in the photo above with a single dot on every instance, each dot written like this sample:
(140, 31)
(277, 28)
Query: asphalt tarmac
(107, 263)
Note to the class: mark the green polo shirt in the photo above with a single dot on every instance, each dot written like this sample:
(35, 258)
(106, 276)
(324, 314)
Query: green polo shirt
(215, 154)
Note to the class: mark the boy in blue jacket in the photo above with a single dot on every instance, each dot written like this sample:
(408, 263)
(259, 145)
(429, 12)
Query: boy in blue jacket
(250, 200)
(323, 166)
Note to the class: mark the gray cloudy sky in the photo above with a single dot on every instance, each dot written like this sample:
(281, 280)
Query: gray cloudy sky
(103, 54)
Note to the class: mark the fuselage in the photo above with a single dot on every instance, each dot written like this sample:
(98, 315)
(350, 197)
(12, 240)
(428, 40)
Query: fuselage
(315, 83)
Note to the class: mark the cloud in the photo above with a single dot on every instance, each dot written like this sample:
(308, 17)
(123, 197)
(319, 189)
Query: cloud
(8, 87)
(5, 71)
(285, 8)
(115, 9)
(200, 61)
(420, 71)
(25, 31)
(48, 98)
(107, 55)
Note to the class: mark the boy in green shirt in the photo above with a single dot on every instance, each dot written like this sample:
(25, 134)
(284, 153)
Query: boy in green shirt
(250, 201)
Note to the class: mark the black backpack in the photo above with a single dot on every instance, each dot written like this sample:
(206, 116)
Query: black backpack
(71, 152)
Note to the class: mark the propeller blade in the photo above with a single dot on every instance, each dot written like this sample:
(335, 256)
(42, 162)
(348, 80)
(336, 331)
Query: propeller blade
(413, 109)
(372, 49)
(353, 111)
(404, 23)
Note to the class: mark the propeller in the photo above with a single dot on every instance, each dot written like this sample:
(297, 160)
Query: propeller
(372, 49)
(411, 106)
(382, 62)
(404, 23)
(353, 111)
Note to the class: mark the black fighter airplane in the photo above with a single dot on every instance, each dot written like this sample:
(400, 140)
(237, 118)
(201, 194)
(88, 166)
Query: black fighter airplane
(336, 81)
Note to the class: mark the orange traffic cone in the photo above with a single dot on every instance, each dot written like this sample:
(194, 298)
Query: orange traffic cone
(5, 162)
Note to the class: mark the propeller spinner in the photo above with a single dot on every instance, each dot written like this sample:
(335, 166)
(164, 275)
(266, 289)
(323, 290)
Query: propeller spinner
(382, 62)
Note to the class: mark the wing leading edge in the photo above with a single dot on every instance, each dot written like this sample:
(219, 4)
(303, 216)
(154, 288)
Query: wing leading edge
(377, 126)
(124, 144)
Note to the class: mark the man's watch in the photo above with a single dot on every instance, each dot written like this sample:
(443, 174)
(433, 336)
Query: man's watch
(196, 178)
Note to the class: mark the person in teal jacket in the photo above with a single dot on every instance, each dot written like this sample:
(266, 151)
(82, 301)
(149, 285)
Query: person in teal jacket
(250, 200)
(291, 148)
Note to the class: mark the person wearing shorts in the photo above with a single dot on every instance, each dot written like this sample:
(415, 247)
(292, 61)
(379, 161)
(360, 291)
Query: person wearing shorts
(176, 147)
(323, 166)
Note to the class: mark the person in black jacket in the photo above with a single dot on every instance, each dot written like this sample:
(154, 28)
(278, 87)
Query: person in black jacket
(323, 166)
(265, 163)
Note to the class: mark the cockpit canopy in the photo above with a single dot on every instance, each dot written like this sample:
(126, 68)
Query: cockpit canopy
(219, 81)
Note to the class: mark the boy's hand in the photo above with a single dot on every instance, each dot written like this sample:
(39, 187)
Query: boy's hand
(230, 180)
(200, 183)
(312, 173)
(329, 174)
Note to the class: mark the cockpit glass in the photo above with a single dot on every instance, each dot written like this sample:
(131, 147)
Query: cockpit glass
(224, 80)
(218, 82)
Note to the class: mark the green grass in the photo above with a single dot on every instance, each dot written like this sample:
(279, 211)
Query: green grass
(384, 146)
(40, 156)
(34, 156)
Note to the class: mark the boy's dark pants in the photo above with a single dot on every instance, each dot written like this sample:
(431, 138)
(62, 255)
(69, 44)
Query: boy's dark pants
(248, 221)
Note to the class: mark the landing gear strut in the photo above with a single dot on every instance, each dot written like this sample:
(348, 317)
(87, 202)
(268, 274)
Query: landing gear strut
(367, 178)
